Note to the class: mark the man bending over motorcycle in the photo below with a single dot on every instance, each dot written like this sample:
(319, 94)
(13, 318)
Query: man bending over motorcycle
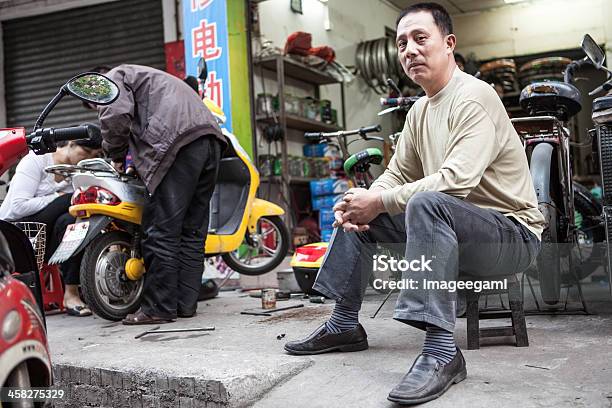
(457, 195)
(176, 146)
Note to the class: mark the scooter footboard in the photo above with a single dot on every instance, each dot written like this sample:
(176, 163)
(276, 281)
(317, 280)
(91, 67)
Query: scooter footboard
(78, 236)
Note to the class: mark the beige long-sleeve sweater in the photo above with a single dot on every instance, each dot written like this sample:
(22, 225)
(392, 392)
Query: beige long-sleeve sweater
(461, 142)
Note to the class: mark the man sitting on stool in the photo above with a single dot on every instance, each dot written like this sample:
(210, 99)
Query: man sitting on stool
(457, 192)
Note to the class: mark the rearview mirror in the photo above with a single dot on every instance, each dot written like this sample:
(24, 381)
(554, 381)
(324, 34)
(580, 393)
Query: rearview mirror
(593, 51)
(92, 87)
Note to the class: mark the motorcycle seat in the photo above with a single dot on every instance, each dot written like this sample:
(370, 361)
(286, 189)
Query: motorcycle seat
(602, 103)
(551, 98)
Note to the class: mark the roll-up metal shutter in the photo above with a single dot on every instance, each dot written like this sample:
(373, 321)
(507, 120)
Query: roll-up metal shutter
(41, 53)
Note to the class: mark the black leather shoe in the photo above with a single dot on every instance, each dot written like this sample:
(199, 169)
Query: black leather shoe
(320, 341)
(428, 379)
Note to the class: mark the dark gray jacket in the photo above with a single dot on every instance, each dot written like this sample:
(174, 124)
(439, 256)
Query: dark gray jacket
(155, 115)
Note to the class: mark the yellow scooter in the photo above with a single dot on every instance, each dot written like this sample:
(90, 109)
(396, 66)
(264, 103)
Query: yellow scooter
(246, 231)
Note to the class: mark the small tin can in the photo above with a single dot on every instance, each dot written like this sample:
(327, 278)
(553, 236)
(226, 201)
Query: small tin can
(268, 298)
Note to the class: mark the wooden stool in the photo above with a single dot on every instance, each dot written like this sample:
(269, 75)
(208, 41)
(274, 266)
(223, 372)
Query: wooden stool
(473, 314)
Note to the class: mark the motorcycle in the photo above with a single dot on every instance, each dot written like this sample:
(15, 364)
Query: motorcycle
(602, 142)
(246, 231)
(563, 202)
(24, 351)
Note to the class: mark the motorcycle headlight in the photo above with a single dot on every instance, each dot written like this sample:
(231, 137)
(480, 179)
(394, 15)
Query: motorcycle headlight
(11, 325)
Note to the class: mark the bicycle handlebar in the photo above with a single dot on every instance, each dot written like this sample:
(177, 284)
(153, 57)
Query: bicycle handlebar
(361, 131)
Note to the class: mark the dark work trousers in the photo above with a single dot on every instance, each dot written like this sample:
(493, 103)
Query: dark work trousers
(462, 241)
(56, 218)
(175, 225)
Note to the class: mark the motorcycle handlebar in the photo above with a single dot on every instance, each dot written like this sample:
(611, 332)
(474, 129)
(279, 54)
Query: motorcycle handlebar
(45, 140)
(606, 86)
(71, 133)
(570, 70)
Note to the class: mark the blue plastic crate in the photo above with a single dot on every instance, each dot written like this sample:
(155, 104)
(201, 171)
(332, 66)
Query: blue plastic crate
(314, 150)
(326, 218)
(325, 202)
(329, 186)
(326, 234)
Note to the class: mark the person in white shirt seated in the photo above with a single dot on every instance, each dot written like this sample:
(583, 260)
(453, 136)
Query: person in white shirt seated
(37, 196)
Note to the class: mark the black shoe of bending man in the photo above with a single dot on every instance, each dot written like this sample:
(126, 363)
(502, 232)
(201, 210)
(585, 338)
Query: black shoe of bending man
(321, 341)
(428, 379)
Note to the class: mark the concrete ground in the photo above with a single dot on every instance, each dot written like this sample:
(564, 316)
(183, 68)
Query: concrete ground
(242, 362)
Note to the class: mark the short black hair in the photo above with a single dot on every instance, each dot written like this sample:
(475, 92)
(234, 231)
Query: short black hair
(459, 58)
(438, 12)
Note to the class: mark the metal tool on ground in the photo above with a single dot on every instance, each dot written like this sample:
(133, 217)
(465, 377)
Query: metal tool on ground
(268, 312)
(156, 330)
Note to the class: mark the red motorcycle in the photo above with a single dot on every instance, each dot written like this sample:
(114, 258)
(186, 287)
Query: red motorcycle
(24, 352)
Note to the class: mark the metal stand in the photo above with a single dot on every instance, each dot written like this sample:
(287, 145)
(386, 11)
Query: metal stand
(227, 278)
(383, 303)
(565, 311)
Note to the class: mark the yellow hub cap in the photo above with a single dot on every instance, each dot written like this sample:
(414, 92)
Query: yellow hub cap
(134, 268)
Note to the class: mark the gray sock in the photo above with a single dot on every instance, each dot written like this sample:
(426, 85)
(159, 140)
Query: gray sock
(343, 318)
(439, 344)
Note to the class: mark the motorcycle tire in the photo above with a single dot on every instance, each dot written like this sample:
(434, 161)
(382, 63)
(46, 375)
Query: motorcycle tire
(549, 257)
(590, 255)
(234, 261)
(98, 292)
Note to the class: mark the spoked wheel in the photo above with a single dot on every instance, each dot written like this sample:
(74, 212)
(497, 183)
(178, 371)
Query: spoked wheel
(262, 251)
(106, 289)
(549, 258)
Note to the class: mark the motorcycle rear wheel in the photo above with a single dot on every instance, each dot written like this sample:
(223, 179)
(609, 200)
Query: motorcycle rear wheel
(254, 257)
(106, 289)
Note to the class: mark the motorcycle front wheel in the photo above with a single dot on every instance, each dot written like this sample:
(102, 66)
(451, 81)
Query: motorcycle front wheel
(106, 289)
(263, 251)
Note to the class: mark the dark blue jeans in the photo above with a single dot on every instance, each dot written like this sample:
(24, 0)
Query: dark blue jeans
(463, 242)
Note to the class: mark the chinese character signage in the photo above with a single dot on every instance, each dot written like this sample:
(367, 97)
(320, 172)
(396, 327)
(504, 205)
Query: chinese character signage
(205, 33)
